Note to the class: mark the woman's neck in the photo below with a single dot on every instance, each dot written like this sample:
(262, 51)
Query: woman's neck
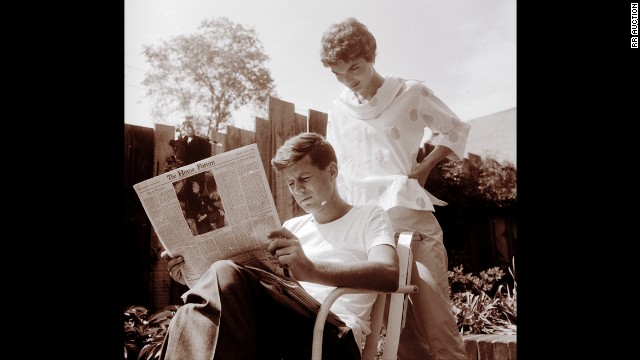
(370, 91)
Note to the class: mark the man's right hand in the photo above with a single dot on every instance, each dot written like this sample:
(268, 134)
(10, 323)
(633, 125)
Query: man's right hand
(175, 267)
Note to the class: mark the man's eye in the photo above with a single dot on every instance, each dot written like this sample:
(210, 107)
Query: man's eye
(305, 179)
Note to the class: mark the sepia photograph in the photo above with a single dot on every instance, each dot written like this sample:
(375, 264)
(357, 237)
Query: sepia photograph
(374, 171)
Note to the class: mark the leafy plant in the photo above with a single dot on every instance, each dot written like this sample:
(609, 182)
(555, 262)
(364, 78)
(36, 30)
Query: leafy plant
(477, 312)
(144, 332)
(474, 183)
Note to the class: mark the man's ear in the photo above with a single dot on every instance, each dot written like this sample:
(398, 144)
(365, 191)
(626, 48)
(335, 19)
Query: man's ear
(333, 169)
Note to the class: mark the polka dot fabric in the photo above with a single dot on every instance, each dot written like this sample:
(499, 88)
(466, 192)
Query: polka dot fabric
(377, 142)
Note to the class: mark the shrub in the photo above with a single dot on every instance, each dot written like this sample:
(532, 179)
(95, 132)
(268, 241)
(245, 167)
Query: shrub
(144, 333)
(484, 183)
(476, 312)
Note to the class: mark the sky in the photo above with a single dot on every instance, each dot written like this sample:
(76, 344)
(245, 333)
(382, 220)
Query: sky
(464, 50)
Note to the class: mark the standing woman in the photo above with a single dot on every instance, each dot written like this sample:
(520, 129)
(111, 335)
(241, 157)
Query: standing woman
(376, 126)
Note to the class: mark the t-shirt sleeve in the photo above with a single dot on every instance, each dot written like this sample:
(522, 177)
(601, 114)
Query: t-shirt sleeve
(379, 230)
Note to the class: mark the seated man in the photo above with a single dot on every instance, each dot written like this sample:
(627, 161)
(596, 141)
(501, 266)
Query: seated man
(229, 314)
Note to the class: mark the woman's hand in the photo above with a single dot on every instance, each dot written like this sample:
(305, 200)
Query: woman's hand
(175, 267)
(421, 173)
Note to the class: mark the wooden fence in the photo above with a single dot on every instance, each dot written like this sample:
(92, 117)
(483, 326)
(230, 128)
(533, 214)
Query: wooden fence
(282, 124)
(136, 247)
(146, 151)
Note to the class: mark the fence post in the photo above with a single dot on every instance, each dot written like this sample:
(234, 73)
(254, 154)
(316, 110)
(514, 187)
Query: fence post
(160, 280)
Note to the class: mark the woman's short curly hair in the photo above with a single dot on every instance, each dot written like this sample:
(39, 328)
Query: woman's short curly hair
(347, 41)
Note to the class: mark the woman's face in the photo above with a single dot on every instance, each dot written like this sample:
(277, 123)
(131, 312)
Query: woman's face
(195, 187)
(355, 74)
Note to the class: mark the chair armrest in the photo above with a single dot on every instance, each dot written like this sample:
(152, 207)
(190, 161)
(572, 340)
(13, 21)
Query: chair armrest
(325, 307)
(405, 260)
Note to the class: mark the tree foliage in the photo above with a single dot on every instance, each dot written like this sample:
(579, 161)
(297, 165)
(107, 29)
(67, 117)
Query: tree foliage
(208, 75)
(483, 183)
(482, 207)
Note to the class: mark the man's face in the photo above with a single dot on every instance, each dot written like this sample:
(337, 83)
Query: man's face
(355, 74)
(309, 185)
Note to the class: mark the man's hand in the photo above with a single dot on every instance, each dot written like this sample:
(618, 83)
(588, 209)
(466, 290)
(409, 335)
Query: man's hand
(286, 247)
(175, 267)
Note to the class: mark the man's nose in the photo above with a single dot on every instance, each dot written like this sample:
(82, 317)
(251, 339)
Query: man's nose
(298, 187)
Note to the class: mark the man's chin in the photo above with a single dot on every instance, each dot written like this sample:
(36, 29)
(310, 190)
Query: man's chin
(307, 206)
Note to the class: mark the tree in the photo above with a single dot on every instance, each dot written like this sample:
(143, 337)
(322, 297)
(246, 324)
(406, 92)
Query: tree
(208, 75)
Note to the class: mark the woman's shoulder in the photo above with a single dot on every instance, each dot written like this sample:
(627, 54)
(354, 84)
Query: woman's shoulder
(414, 84)
(417, 87)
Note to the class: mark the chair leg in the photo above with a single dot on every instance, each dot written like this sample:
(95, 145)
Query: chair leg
(371, 343)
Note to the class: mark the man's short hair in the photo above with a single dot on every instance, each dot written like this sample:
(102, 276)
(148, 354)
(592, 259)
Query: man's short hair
(347, 41)
(296, 148)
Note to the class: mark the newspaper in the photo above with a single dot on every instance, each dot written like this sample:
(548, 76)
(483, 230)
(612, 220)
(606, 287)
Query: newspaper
(216, 208)
(221, 208)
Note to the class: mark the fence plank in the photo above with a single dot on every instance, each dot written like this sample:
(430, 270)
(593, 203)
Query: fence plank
(263, 141)
(300, 124)
(163, 134)
(237, 137)
(138, 166)
(160, 286)
(247, 137)
(220, 141)
(233, 138)
(282, 115)
(318, 122)
(217, 143)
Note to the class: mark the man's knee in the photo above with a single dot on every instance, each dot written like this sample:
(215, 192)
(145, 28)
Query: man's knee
(220, 275)
(230, 275)
(224, 267)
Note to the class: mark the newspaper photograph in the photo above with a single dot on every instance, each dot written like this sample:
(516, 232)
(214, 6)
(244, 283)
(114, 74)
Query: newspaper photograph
(216, 208)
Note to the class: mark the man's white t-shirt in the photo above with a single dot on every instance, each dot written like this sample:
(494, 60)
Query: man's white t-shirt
(347, 239)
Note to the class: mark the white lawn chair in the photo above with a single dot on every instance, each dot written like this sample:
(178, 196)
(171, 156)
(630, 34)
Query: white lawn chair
(397, 309)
